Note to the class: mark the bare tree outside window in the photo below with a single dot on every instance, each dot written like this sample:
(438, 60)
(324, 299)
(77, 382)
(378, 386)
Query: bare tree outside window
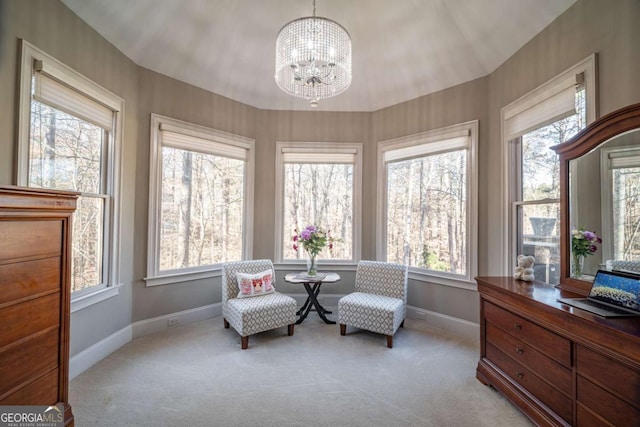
(68, 153)
(626, 213)
(322, 195)
(538, 204)
(202, 209)
(427, 212)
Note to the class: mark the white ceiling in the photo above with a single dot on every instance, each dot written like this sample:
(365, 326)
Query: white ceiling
(402, 49)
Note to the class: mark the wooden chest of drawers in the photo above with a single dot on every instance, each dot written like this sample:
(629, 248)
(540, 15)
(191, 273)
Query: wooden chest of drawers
(561, 366)
(607, 391)
(35, 243)
(535, 358)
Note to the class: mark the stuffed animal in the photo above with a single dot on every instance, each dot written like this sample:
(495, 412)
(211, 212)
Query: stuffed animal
(524, 270)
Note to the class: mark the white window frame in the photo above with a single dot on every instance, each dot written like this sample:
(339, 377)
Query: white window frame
(32, 59)
(630, 156)
(432, 138)
(509, 179)
(319, 149)
(156, 277)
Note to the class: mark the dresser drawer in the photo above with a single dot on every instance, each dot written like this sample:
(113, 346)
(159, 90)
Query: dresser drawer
(42, 313)
(42, 391)
(20, 364)
(550, 396)
(528, 356)
(614, 410)
(29, 238)
(554, 346)
(609, 373)
(584, 418)
(23, 279)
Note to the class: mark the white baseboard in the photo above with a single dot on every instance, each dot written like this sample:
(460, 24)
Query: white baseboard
(465, 328)
(325, 300)
(98, 351)
(92, 355)
(160, 323)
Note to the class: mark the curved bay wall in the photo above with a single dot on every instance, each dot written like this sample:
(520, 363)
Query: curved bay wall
(589, 26)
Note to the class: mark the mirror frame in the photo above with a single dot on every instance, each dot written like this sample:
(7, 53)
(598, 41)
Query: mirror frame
(613, 124)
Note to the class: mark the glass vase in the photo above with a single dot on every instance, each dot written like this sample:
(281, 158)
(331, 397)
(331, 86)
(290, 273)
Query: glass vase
(312, 265)
(577, 265)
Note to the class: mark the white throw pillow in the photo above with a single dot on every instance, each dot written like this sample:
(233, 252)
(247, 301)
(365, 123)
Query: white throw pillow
(251, 285)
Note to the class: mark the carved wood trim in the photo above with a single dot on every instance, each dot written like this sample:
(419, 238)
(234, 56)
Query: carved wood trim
(603, 129)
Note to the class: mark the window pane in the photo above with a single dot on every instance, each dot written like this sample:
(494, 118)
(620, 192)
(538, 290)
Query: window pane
(201, 209)
(536, 224)
(540, 166)
(540, 226)
(88, 222)
(65, 152)
(626, 214)
(427, 212)
(322, 195)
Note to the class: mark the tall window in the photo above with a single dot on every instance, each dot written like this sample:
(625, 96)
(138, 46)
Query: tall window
(533, 124)
(621, 204)
(428, 211)
(199, 199)
(72, 145)
(318, 183)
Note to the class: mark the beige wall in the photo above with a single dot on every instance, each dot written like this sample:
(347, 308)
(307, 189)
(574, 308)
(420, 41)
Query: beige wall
(291, 126)
(163, 95)
(52, 27)
(458, 104)
(608, 28)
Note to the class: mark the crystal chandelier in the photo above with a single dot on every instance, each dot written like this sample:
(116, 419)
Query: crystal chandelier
(313, 58)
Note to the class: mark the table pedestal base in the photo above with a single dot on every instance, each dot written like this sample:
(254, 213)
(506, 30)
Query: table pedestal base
(312, 301)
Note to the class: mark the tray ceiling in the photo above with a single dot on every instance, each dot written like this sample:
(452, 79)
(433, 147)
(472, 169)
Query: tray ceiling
(402, 49)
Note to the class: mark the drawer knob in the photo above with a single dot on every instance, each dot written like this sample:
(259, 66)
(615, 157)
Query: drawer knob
(518, 326)
(519, 374)
(519, 350)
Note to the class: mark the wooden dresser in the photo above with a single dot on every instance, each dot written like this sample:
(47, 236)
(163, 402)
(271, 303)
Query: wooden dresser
(35, 251)
(560, 365)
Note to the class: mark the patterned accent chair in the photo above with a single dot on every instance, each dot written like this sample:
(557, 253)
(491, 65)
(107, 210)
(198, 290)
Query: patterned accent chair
(633, 266)
(255, 314)
(379, 303)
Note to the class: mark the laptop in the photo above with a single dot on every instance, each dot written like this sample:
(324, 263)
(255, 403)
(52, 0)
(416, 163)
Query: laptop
(613, 294)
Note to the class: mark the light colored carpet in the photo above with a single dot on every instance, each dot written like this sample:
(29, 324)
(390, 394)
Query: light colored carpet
(196, 375)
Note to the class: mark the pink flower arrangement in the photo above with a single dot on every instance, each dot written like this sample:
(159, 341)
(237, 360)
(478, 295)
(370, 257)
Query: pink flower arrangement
(583, 242)
(312, 239)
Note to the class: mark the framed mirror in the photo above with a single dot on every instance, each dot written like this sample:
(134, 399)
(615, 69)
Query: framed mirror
(600, 199)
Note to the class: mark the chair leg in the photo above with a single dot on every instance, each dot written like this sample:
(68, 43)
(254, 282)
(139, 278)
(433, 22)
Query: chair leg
(390, 341)
(343, 329)
(290, 329)
(226, 324)
(402, 324)
(245, 342)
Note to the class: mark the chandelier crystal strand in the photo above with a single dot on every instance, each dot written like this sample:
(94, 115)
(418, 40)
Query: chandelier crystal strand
(313, 58)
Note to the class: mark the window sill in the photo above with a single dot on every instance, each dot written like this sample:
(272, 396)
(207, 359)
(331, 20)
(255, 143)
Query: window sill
(299, 265)
(168, 279)
(86, 300)
(455, 282)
